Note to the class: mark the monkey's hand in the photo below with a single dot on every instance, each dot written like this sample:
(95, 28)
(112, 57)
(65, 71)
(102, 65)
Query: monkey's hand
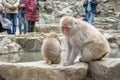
(67, 64)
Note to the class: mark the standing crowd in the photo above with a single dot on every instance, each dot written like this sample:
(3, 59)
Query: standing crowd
(23, 11)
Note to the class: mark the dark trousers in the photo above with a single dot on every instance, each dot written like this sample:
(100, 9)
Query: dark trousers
(1, 28)
(31, 26)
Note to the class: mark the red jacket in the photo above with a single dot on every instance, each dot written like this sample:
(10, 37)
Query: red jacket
(32, 13)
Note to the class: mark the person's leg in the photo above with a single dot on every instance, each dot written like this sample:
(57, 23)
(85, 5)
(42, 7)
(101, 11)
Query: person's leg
(20, 22)
(88, 16)
(9, 31)
(32, 26)
(25, 22)
(92, 15)
(29, 26)
(14, 21)
(85, 17)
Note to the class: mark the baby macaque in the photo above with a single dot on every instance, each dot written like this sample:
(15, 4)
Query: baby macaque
(51, 48)
(83, 38)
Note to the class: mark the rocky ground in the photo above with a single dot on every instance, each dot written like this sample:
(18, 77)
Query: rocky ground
(107, 21)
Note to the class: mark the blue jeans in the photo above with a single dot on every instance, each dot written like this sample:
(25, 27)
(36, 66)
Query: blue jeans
(12, 17)
(22, 15)
(90, 17)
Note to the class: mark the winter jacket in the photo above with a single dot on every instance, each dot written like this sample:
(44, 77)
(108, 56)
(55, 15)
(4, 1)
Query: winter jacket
(10, 3)
(93, 5)
(32, 13)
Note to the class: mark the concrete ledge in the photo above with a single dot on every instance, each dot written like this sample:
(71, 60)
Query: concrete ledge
(42, 71)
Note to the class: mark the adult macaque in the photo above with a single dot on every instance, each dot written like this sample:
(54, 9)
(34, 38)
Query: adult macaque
(83, 38)
(51, 49)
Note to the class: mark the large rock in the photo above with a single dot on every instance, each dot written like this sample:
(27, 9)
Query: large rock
(42, 71)
(107, 69)
(14, 47)
(7, 45)
(29, 43)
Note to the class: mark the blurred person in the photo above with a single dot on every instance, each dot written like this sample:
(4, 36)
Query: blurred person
(32, 14)
(90, 10)
(22, 15)
(11, 9)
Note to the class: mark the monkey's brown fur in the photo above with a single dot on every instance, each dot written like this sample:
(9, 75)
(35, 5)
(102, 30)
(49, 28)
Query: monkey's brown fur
(83, 38)
(51, 49)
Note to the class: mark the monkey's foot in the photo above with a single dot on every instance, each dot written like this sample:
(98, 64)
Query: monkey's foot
(82, 60)
(49, 62)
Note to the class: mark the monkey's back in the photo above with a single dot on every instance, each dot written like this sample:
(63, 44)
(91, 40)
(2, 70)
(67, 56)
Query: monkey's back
(92, 39)
(51, 49)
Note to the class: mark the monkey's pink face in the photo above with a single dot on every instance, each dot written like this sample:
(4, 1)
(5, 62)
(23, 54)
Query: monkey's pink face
(66, 30)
